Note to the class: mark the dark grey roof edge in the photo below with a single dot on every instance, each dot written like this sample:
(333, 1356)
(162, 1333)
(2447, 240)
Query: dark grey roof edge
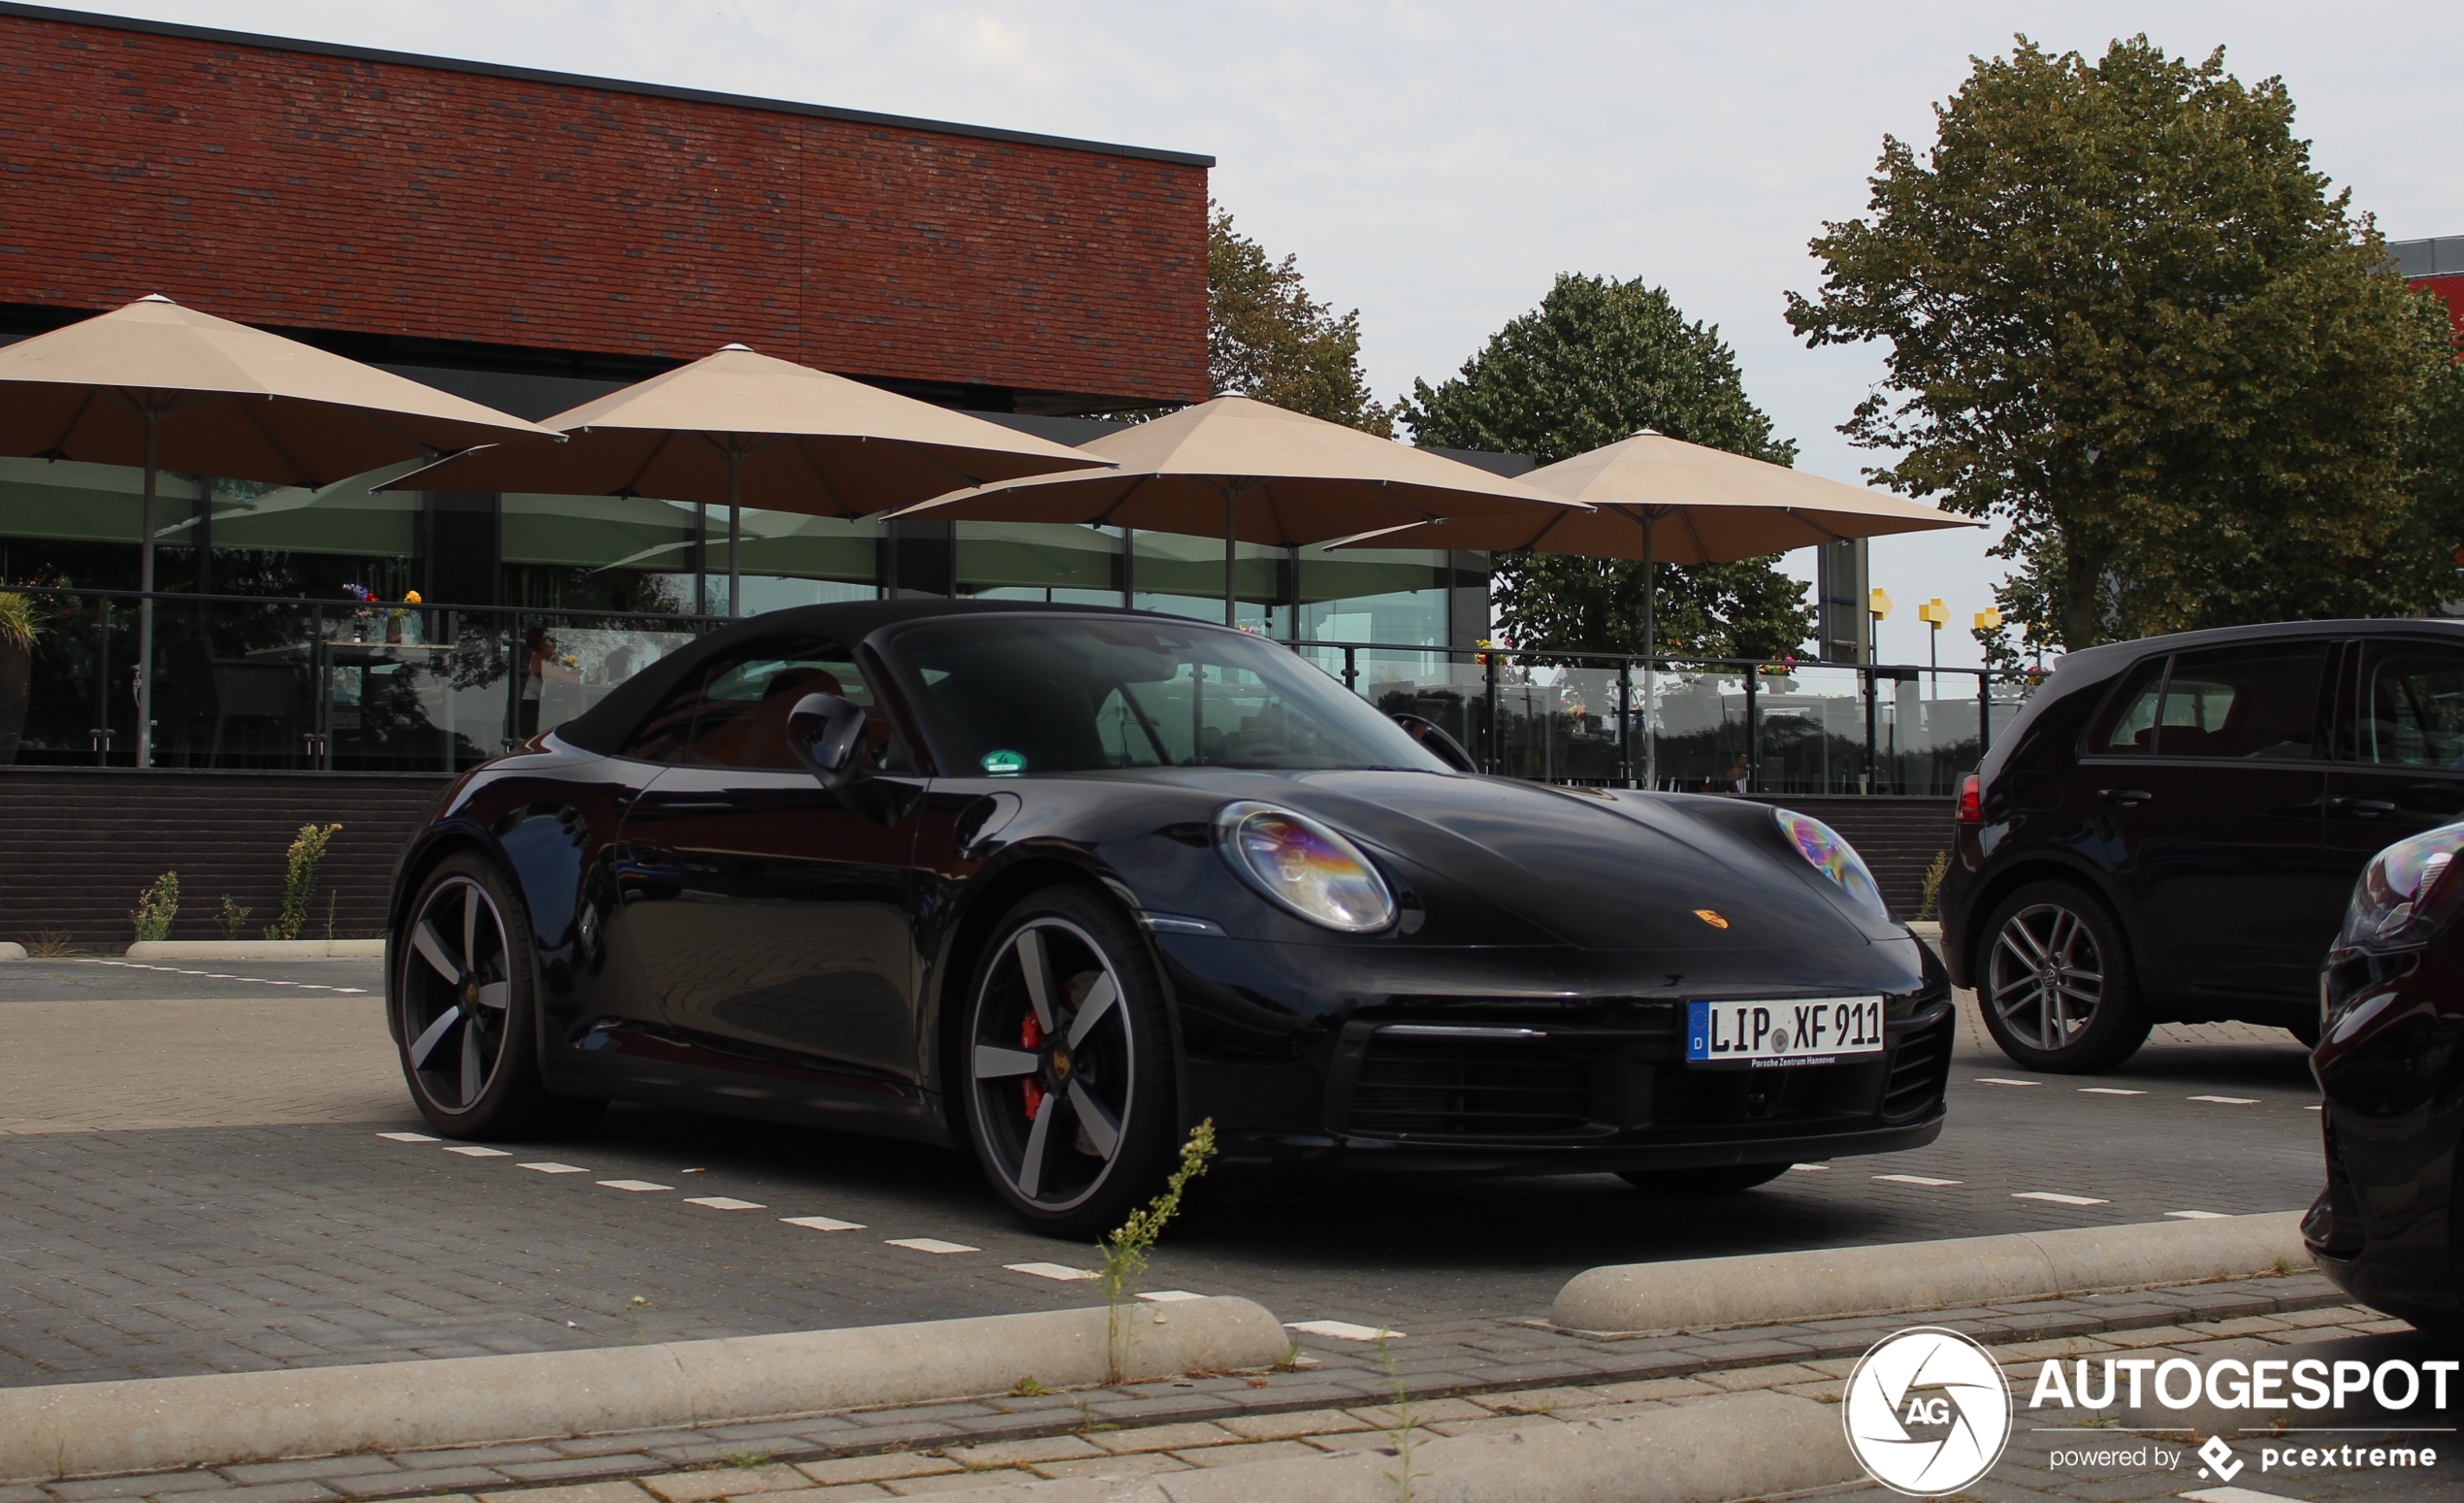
(370, 54)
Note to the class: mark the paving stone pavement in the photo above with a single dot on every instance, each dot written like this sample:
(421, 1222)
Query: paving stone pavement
(1236, 1419)
(255, 1239)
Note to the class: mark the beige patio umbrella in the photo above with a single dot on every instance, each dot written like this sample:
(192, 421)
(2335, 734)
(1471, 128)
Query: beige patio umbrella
(154, 383)
(1665, 501)
(1253, 473)
(741, 429)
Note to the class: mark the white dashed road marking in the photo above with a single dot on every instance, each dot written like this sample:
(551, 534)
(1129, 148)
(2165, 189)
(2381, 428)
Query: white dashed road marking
(821, 1224)
(2198, 1216)
(1809, 1168)
(466, 1151)
(2228, 1101)
(408, 1137)
(1166, 1297)
(1342, 1330)
(633, 1185)
(1058, 1272)
(932, 1245)
(552, 1167)
(2057, 1200)
(1911, 1179)
(2108, 1090)
(215, 975)
(724, 1203)
(1997, 1080)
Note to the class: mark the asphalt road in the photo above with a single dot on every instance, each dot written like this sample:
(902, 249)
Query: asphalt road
(200, 1180)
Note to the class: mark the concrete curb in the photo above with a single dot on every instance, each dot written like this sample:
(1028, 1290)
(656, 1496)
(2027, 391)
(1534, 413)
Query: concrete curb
(255, 949)
(1741, 1446)
(160, 1423)
(1709, 1292)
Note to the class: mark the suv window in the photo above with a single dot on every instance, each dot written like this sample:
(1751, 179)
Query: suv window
(735, 713)
(2132, 729)
(2412, 712)
(2258, 704)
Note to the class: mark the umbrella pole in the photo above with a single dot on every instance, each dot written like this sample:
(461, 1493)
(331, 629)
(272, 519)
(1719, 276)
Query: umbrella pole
(700, 559)
(1231, 501)
(1650, 641)
(145, 604)
(736, 529)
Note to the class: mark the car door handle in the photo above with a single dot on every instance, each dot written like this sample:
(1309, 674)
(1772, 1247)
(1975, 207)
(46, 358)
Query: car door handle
(2362, 808)
(2124, 795)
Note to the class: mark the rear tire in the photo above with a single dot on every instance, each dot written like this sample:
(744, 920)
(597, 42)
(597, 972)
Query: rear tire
(465, 1021)
(1067, 1060)
(1727, 1180)
(2055, 983)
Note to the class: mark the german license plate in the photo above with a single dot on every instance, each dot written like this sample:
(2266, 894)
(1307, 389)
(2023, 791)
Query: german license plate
(1777, 1035)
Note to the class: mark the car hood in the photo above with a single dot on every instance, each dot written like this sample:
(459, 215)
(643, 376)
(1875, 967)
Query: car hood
(1496, 861)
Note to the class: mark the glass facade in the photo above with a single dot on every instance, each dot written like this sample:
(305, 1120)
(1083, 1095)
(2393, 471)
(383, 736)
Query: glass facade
(567, 596)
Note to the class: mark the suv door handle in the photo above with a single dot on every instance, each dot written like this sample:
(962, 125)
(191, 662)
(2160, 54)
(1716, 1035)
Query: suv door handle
(2363, 809)
(2124, 795)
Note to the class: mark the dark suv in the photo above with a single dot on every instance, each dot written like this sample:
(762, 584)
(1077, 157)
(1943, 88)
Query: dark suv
(2171, 828)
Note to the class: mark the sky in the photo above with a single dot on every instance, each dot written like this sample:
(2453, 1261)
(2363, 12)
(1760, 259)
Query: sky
(1436, 165)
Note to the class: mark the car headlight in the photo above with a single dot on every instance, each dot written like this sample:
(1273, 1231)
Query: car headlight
(1305, 866)
(1834, 858)
(2407, 893)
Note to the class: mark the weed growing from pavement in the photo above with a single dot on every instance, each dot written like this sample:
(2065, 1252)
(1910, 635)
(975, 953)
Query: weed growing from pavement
(1028, 1387)
(155, 908)
(1086, 1420)
(633, 1308)
(1929, 901)
(232, 916)
(1405, 1433)
(1126, 1251)
(48, 944)
(333, 901)
(299, 879)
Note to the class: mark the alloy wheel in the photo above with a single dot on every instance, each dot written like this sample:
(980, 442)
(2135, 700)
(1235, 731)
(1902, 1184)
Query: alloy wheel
(456, 993)
(1050, 1058)
(2047, 978)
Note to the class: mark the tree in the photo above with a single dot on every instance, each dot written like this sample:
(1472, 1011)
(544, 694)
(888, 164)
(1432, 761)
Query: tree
(1266, 337)
(1598, 361)
(2126, 318)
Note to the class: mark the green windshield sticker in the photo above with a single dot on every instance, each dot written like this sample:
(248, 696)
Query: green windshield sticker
(1004, 764)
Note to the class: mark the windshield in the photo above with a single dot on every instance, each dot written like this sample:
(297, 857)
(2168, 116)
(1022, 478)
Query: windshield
(1028, 694)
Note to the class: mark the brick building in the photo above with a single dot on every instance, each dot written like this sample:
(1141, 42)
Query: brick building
(533, 240)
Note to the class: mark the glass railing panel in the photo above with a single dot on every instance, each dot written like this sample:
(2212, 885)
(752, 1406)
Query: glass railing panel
(1810, 734)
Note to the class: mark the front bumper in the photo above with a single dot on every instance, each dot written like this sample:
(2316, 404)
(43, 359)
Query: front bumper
(1563, 1084)
(2390, 1226)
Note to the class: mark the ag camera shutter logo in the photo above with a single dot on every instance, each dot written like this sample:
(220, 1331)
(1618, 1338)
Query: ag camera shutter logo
(1927, 1412)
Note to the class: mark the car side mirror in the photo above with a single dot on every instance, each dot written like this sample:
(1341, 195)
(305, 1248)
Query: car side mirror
(827, 734)
(1432, 735)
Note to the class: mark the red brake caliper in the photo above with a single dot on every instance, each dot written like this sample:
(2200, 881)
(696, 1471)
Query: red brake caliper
(1031, 1034)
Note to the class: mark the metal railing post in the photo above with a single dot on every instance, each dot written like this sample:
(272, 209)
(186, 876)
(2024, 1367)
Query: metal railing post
(1984, 713)
(321, 692)
(1351, 668)
(1497, 740)
(1626, 723)
(1869, 773)
(100, 738)
(1753, 733)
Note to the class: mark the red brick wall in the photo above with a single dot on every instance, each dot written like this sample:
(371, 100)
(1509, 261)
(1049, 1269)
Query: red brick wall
(292, 188)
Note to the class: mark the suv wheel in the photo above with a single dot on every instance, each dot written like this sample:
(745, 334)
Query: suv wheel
(2056, 986)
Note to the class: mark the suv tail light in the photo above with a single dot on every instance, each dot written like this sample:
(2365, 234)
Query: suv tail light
(1973, 800)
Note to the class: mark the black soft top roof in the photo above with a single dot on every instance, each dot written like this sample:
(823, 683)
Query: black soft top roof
(606, 725)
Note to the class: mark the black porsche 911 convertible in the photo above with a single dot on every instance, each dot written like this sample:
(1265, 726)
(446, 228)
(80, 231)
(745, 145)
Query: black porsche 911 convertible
(1059, 882)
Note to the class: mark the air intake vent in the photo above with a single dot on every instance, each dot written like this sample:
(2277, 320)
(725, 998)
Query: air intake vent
(1918, 1071)
(1483, 1089)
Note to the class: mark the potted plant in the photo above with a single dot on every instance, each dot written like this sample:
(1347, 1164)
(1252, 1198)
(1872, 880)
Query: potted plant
(19, 625)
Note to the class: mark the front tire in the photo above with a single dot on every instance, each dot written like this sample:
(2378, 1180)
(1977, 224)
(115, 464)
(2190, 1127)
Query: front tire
(464, 1019)
(1066, 1054)
(2058, 989)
